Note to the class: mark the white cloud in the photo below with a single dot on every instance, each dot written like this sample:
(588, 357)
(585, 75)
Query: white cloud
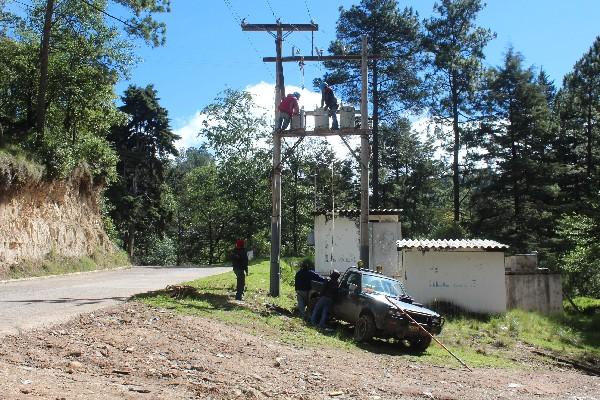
(189, 131)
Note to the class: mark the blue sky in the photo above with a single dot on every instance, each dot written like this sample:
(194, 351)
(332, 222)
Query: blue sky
(206, 50)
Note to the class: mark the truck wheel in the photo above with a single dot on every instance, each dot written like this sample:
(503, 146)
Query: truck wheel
(364, 328)
(418, 344)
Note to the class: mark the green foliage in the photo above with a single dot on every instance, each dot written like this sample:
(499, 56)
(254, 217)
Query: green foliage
(585, 305)
(514, 193)
(143, 142)
(16, 170)
(580, 261)
(455, 45)
(159, 251)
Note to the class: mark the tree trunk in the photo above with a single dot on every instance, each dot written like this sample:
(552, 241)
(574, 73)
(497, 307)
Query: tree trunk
(456, 148)
(45, 46)
(376, 189)
(130, 240)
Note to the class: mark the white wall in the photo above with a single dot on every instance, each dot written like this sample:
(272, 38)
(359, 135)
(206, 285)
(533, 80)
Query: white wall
(384, 231)
(345, 245)
(472, 279)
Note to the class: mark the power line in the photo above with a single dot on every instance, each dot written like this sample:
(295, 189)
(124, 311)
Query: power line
(92, 5)
(236, 17)
(272, 11)
(308, 11)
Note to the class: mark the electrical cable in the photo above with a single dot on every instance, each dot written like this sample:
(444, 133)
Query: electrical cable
(92, 5)
(236, 17)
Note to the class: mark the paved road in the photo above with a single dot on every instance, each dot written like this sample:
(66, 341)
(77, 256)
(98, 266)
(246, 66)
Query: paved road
(41, 302)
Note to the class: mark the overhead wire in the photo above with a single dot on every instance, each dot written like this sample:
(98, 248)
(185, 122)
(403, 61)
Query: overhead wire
(236, 17)
(92, 5)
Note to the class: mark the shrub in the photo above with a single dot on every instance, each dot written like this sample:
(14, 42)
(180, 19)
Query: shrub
(158, 251)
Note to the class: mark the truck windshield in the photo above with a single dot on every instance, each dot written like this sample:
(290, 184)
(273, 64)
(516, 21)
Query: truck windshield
(377, 284)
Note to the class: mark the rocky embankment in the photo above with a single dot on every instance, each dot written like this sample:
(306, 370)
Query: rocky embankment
(57, 218)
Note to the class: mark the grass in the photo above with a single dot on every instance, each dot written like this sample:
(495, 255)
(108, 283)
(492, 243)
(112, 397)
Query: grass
(17, 169)
(478, 340)
(56, 265)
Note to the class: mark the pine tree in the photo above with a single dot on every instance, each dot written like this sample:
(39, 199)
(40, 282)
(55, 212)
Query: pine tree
(456, 46)
(395, 84)
(516, 190)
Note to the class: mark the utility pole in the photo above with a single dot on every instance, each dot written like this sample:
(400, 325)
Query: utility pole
(364, 158)
(278, 28)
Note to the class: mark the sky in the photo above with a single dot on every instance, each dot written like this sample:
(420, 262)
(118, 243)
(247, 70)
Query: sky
(207, 52)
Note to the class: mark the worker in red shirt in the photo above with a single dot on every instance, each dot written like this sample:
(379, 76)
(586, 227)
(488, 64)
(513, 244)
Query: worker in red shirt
(287, 108)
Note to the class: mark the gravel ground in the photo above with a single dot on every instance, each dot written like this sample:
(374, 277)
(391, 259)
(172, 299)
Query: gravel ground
(134, 351)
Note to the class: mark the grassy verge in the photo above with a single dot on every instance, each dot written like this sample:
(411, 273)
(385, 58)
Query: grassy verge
(479, 341)
(56, 265)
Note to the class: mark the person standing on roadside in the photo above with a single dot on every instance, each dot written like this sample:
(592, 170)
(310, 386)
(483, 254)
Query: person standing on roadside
(321, 312)
(239, 261)
(302, 284)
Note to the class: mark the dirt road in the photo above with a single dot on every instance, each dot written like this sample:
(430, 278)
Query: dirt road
(41, 302)
(133, 351)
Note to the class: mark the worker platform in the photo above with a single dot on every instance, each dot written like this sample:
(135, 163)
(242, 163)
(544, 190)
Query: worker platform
(298, 132)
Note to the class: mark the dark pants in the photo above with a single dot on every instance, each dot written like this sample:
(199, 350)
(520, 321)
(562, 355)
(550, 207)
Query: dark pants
(320, 314)
(241, 283)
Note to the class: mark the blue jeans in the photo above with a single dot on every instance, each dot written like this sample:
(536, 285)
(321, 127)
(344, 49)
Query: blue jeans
(302, 298)
(321, 312)
(283, 121)
(334, 125)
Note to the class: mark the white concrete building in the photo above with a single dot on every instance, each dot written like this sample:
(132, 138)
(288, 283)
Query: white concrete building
(467, 273)
(337, 239)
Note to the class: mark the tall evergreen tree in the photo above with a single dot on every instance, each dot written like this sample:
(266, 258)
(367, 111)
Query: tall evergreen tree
(144, 143)
(392, 34)
(580, 119)
(516, 190)
(456, 46)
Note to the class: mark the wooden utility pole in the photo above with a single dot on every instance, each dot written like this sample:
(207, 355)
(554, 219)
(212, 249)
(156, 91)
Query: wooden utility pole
(277, 136)
(364, 159)
(278, 28)
(44, 50)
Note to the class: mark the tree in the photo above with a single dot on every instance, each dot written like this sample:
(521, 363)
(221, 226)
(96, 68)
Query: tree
(580, 117)
(456, 46)
(140, 25)
(144, 143)
(393, 35)
(516, 189)
(411, 177)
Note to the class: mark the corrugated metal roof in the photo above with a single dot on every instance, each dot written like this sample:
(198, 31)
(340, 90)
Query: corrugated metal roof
(450, 244)
(356, 212)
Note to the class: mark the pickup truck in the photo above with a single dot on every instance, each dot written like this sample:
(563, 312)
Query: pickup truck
(362, 301)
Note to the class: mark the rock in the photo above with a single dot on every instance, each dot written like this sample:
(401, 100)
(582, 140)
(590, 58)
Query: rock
(336, 393)
(75, 365)
(129, 350)
(514, 385)
(139, 390)
(74, 353)
(25, 391)
(26, 382)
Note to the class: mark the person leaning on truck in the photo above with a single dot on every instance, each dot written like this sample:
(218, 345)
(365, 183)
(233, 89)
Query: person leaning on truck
(302, 284)
(321, 311)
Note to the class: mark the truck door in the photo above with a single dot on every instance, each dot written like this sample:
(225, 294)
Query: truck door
(347, 303)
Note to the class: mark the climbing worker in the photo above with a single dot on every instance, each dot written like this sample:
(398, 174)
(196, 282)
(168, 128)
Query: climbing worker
(302, 284)
(321, 312)
(330, 102)
(239, 261)
(287, 108)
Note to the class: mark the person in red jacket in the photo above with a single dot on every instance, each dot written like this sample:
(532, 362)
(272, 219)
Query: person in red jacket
(287, 108)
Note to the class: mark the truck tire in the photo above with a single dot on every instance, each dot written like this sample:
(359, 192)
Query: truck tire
(418, 344)
(364, 328)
